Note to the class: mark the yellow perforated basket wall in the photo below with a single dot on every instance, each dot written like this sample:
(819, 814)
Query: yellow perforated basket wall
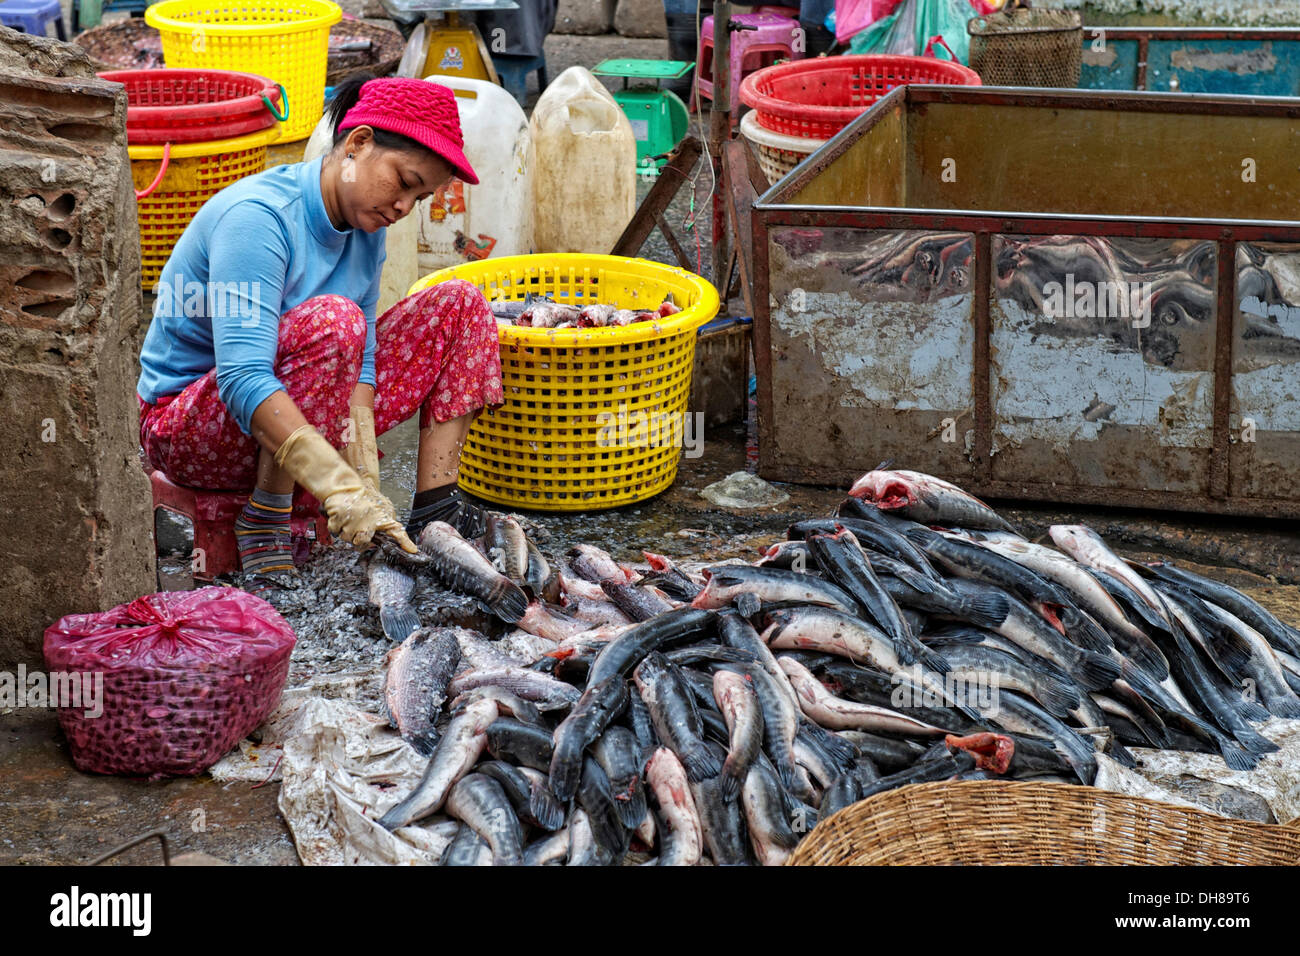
(557, 444)
(195, 173)
(284, 40)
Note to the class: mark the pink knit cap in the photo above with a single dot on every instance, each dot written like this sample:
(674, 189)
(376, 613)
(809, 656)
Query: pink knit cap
(424, 112)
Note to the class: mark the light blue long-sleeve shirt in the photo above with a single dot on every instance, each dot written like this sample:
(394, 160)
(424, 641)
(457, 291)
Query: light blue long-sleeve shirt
(254, 251)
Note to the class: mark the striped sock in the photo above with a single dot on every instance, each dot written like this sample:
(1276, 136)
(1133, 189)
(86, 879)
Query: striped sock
(262, 531)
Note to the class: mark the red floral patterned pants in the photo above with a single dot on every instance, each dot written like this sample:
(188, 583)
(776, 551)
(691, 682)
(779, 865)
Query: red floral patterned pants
(435, 351)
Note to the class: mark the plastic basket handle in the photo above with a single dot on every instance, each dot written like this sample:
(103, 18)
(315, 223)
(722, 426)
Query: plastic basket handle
(929, 47)
(284, 98)
(162, 171)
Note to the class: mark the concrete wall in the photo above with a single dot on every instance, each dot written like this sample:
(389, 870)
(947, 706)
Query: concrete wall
(75, 534)
(629, 18)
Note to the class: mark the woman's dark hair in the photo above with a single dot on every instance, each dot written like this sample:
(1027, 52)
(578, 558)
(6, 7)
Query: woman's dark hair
(346, 95)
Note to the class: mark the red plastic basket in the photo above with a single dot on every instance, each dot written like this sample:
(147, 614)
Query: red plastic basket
(190, 106)
(817, 98)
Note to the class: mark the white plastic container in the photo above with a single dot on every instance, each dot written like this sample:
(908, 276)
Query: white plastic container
(463, 223)
(777, 153)
(584, 178)
(401, 268)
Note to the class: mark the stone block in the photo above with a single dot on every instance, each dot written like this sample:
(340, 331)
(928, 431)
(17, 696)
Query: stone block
(641, 18)
(75, 527)
(585, 17)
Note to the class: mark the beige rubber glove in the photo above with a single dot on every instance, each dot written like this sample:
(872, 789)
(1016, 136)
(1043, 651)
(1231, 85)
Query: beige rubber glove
(353, 515)
(362, 453)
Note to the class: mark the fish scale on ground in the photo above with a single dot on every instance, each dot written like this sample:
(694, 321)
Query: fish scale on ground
(690, 718)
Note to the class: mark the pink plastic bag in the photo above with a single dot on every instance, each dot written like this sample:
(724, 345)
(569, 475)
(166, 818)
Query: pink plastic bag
(853, 16)
(186, 676)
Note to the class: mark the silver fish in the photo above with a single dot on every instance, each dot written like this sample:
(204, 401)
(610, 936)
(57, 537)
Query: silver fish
(455, 754)
(462, 568)
(415, 685)
(391, 587)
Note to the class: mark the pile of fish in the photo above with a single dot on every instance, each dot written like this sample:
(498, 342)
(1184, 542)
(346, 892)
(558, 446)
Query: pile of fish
(913, 636)
(544, 313)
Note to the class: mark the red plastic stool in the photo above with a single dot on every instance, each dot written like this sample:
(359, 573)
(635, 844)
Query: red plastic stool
(757, 40)
(213, 515)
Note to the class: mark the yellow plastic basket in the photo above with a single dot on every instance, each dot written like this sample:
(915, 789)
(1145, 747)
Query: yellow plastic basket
(284, 40)
(593, 418)
(193, 175)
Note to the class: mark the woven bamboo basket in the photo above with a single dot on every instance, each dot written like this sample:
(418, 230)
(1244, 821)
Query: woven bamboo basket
(1005, 822)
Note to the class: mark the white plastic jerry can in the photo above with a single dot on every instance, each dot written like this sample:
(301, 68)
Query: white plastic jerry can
(463, 223)
(584, 180)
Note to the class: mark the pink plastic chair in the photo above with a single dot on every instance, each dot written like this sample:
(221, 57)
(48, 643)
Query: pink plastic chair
(763, 39)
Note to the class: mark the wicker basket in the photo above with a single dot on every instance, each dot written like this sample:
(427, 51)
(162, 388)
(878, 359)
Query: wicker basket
(134, 45)
(1004, 822)
(1027, 47)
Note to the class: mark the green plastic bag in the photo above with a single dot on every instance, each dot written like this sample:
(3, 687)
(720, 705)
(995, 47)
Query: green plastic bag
(908, 30)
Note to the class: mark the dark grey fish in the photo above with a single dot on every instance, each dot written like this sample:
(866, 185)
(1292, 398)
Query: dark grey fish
(549, 850)
(544, 805)
(415, 684)
(1020, 715)
(976, 662)
(1278, 634)
(880, 539)
(478, 801)
(596, 797)
(1192, 674)
(519, 743)
(639, 602)
(970, 561)
(728, 582)
(599, 704)
(619, 755)
(638, 718)
(520, 791)
(676, 721)
(841, 559)
(624, 652)
(941, 767)
(723, 820)
(983, 609)
(884, 752)
(1027, 628)
(467, 848)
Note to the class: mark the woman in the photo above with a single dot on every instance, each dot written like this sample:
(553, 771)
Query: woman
(277, 360)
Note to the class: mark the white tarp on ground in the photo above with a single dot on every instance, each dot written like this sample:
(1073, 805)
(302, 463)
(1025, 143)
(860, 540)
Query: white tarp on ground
(341, 768)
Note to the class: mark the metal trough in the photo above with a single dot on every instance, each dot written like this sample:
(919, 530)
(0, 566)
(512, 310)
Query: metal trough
(1057, 295)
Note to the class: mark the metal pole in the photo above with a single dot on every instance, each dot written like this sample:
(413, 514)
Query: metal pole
(719, 133)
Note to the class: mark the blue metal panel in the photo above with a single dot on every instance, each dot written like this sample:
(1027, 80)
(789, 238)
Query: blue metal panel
(1244, 67)
(1115, 67)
